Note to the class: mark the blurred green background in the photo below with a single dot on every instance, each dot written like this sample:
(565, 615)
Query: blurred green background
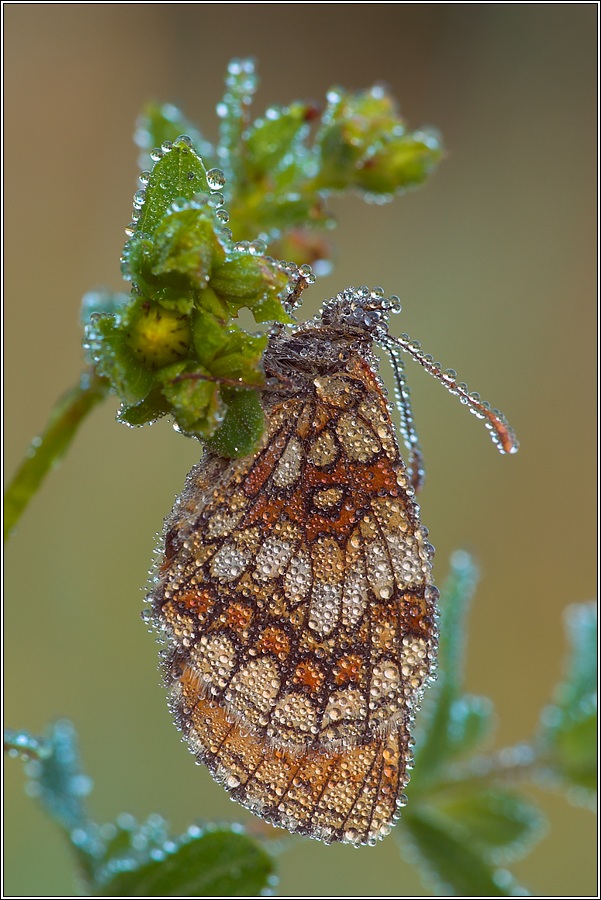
(495, 263)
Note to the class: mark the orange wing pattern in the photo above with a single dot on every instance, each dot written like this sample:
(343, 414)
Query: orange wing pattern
(296, 602)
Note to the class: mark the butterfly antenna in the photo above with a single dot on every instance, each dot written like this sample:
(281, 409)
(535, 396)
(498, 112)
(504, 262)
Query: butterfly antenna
(503, 436)
(408, 431)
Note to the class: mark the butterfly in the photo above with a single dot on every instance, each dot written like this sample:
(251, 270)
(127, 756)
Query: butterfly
(295, 596)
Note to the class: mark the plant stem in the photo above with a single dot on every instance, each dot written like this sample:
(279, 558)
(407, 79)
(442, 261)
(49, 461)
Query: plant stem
(45, 451)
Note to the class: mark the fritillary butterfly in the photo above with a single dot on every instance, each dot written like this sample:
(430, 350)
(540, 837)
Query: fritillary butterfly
(295, 595)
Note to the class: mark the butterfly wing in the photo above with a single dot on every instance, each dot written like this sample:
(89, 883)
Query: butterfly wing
(296, 601)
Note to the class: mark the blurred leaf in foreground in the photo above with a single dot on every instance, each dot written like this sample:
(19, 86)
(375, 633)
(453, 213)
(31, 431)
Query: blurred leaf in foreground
(129, 859)
(568, 728)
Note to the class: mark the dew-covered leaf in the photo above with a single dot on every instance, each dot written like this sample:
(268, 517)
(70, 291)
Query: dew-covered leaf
(574, 748)
(109, 345)
(502, 823)
(239, 357)
(209, 333)
(46, 450)
(254, 282)
(185, 246)
(398, 164)
(178, 175)
(449, 721)
(283, 211)
(234, 114)
(449, 859)
(270, 309)
(238, 279)
(102, 302)
(363, 143)
(568, 730)
(194, 400)
(24, 745)
(275, 142)
(580, 680)
(147, 411)
(60, 784)
(161, 122)
(471, 721)
(216, 863)
(242, 426)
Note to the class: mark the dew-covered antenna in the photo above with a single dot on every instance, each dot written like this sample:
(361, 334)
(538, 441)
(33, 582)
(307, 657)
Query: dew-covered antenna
(502, 434)
(415, 466)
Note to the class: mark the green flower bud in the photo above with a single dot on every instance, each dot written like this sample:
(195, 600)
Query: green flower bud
(158, 336)
(238, 279)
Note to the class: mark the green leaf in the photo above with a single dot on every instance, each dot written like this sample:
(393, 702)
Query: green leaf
(239, 279)
(399, 164)
(194, 400)
(228, 352)
(276, 141)
(574, 751)
(219, 863)
(363, 144)
(209, 301)
(178, 176)
(270, 309)
(56, 779)
(581, 676)
(501, 823)
(234, 114)
(147, 411)
(448, 722)
(46, 451)
(353, 127)
(102, 302)
(160, 122)
(450, 860)
(114, 359)
(239, 357)
(568, 731)
(59, 780)
(253, 281)
(242, 426)
(185, 245)
(275, 212)
(471, 720)
(209, 334)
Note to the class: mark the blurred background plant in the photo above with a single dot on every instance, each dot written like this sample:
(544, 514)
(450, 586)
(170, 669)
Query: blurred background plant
(432, 814)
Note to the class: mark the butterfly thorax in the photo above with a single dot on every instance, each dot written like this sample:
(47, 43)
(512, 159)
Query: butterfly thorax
(345, 329)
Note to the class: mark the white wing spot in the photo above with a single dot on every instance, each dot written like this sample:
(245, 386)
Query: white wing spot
(288, 468)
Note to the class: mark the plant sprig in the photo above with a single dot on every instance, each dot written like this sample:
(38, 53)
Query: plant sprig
(171, 346)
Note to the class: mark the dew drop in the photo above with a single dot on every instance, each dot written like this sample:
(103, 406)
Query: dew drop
(216, 200)
(215, 179)
(257, 247)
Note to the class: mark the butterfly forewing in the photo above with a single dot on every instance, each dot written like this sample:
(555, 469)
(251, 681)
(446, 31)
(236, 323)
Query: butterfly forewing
(296, 602)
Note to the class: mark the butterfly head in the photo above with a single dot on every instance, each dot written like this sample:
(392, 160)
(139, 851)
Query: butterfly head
(360, 311)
